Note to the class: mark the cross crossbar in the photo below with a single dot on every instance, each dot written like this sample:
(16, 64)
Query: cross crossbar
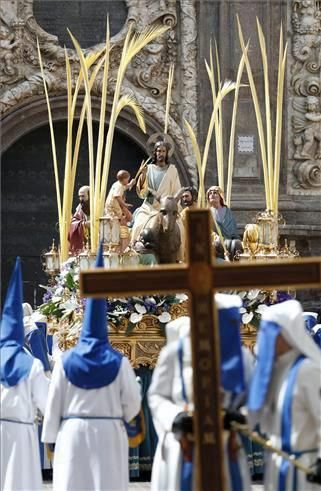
(199, 278)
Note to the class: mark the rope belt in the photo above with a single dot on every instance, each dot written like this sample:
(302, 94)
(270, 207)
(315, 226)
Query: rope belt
(75, 416)
(7, 420)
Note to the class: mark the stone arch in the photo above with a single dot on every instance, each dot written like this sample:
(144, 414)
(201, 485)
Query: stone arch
(33, 114)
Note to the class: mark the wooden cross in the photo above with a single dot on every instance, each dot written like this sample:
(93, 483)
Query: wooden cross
(200, 278)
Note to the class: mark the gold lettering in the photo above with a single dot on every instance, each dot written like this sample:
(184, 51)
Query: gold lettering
(208, 438)
(204, 345)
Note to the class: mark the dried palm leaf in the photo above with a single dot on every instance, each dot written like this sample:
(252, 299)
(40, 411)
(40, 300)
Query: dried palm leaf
(197, 153)
(52, 136)
(132, 45)
(85, 75)
(278, 125)
(130, 101)
(168, 95)
(258, 119)
(268, 122)
(227, 87)
(230, 164)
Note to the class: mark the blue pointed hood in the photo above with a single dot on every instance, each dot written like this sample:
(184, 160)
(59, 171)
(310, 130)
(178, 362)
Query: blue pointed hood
(229, 317)
(286, 319)
(93, 363)
(15, 363)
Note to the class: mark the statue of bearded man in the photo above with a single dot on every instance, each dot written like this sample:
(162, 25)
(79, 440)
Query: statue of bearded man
(157, 180)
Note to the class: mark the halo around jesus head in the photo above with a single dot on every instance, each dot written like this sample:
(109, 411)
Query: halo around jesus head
(161, 138)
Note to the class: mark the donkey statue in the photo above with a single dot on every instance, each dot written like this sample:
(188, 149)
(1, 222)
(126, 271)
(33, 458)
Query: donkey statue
(165, 232)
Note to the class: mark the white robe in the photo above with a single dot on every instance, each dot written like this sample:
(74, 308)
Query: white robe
(145, 216)
(19, 446)
(166, 401)
(90, 454)
(306, 419)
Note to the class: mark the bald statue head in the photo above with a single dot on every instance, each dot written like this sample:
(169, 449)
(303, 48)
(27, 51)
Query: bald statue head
(123, 176)
(83, 195)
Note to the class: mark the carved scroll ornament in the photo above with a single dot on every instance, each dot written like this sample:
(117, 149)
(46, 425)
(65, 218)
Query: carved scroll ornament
(305, 91)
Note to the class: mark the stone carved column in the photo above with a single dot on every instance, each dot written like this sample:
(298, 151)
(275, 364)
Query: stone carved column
(304, 98)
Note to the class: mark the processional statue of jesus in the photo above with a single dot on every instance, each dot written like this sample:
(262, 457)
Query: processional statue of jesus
(157, 180)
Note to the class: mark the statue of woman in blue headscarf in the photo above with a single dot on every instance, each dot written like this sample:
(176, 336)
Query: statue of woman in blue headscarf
(221, 213)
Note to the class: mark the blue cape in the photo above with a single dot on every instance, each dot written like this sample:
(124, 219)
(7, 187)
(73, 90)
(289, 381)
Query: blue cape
(15, 363)
(259, 386)
(93, 363)
(232, 371)
(310, 321)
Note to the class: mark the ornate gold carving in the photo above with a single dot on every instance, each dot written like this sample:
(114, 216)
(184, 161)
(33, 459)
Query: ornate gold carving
(248, 336)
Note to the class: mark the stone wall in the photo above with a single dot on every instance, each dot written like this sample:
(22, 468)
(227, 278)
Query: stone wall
(300, 186)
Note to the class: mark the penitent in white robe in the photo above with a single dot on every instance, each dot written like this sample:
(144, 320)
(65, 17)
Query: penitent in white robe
(166, 401)
(90, 454)
(306, 419)
(19, 446)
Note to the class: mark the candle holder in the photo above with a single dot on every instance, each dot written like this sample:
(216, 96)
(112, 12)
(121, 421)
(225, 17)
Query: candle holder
(268, 225)
(51, 262)
(130, 258)
(86, 258)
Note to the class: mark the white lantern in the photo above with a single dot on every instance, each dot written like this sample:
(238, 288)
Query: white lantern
(130, 258)
(86, 259)
(114, 259)
(51, 260)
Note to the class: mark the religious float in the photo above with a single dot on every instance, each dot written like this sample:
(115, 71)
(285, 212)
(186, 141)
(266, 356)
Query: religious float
(136, 324)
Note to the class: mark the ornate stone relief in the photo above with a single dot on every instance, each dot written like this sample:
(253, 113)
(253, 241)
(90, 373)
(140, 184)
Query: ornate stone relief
(146, 77)
(304, 143)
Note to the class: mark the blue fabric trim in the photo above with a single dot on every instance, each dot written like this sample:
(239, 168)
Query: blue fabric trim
(259, 386)
(135, 426)
(93, 363)
(286, 423)
(180, 361)
(310, 321)
(235, 475)
(8, 420)
(232, 370)
(36, 343)
(186, 476)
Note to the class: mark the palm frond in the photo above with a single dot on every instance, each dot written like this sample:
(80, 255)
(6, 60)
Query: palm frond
(258, 118)
(140, 40)
(168, 95)
(268, 122)
(278, 123)
(130, 101)
(197, 153)
(227, 87)
(84, 70)
(230, 164)
(52, 136)
(132, 45)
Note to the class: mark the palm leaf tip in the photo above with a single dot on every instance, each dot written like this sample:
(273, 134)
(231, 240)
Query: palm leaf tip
(130, 101)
